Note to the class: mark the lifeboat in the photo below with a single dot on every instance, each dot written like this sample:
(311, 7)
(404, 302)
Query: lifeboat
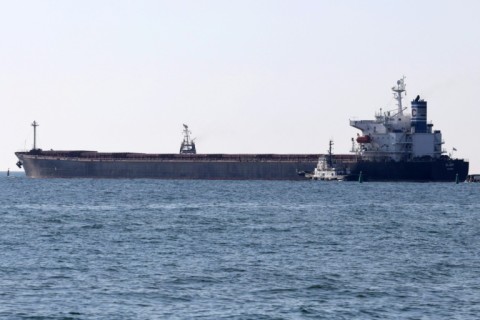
(363, 139)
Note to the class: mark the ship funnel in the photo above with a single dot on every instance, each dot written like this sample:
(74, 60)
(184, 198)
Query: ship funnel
(419, 115)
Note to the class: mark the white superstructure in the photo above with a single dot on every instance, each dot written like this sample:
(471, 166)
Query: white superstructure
(395, 135)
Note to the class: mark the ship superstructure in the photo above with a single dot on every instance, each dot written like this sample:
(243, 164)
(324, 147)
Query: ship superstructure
(401, 146)
(396, 135)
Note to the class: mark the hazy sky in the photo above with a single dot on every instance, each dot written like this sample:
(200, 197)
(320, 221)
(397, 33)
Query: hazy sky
(246, 76)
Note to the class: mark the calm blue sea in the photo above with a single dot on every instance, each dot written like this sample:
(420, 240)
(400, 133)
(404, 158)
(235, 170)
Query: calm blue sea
(153, 249)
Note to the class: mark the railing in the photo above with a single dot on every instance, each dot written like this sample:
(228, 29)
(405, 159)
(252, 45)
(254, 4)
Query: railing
(124, 156)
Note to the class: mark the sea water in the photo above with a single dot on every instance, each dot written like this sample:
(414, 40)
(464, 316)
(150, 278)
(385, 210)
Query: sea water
(157, 249)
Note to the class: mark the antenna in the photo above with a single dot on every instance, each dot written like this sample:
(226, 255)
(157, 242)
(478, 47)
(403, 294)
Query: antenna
(35, 125)
(330, 145)
(186, 134)
(398, 93)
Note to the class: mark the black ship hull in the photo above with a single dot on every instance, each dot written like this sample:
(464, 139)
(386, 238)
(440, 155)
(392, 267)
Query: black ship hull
(439, 170)
(89, 164)
(144, 166)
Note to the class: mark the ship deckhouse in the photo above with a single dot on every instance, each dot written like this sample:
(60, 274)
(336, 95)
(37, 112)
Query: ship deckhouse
(395, 135)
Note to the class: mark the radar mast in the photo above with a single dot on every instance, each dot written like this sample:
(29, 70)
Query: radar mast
(398, 89)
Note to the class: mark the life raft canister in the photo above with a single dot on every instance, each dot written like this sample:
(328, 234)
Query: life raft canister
(363, 139)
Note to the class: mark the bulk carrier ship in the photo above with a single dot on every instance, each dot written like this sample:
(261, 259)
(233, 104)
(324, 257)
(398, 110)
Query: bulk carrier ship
(393, 147)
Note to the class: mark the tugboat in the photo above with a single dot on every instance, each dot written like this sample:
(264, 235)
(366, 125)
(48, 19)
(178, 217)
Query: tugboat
(327, 169)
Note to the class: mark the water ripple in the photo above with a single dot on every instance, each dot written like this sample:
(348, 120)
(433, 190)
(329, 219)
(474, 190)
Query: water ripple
(146, 249)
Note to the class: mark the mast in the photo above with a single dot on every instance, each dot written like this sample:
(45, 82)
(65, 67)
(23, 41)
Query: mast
(35, 125)
(187, 146)
(398, 93)
(329, 160)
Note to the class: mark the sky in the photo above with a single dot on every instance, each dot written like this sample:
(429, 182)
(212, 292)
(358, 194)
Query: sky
(246, 76)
